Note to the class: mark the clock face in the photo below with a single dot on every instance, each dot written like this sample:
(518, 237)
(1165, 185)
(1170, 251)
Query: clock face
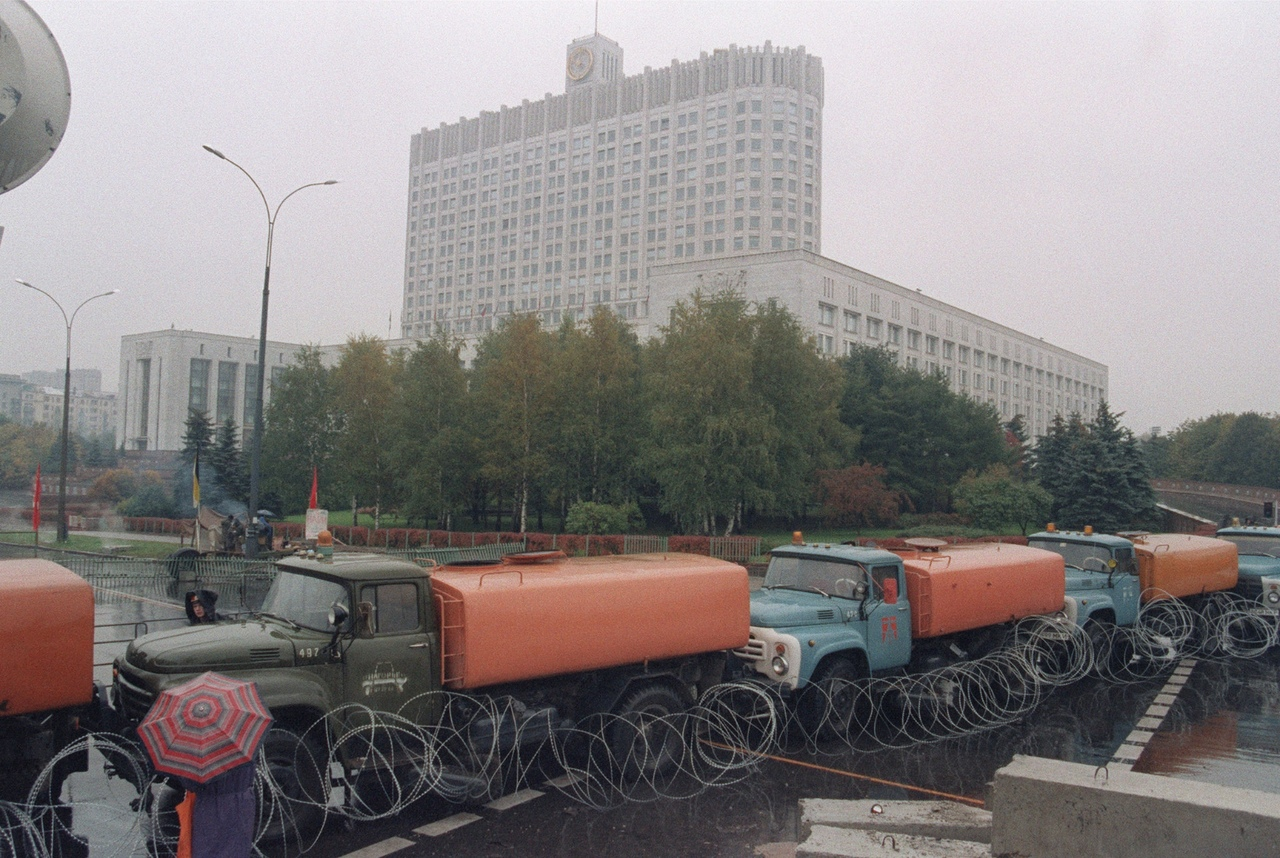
(580, 60)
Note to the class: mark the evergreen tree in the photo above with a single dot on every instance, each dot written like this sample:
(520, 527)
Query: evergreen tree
(1095, 473)
(231, 478)
(198, 435)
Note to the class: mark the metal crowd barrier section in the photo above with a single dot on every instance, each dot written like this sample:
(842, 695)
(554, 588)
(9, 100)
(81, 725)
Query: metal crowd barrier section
(638, 543)
(240, 583)
(494, 551)
(737, 549)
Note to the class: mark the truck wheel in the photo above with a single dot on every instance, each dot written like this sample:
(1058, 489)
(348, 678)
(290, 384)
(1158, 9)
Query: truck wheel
(832, 703)
(1101, 638)
(299, 768)
(648, 737)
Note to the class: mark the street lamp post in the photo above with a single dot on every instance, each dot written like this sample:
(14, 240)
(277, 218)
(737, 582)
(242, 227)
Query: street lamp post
(66, 402)
(251, 526)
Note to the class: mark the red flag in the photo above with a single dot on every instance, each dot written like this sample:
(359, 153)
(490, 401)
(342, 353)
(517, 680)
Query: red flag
(35, 502)
(315, 484)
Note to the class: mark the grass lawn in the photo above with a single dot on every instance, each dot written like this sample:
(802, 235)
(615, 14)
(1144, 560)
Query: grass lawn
(120, 545)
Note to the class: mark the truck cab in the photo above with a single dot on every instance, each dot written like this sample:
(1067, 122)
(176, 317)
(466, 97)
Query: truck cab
(825, 610)
(1259, 556)
(1101, 574)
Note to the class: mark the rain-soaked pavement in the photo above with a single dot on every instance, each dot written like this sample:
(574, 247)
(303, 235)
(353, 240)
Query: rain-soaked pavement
(1224, 728)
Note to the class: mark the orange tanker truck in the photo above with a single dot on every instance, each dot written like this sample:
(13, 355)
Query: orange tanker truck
(47, 694)
(621, 644)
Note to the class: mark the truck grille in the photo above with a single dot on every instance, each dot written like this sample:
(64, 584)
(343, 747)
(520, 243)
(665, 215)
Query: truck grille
(752, 652)
(133, 699)
(259, 654)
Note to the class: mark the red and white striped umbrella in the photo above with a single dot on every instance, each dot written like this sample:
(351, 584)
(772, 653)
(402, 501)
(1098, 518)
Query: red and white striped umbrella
(204, 727)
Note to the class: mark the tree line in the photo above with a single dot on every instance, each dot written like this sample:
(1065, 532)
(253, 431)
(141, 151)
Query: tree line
(1242, 449)
(728, 421)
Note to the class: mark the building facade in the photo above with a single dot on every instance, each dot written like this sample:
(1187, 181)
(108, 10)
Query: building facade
(166, 374)
(1014, 372)
(30, 401)
(560, 205)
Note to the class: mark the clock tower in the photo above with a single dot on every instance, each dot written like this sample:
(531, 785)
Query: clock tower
(592, 59)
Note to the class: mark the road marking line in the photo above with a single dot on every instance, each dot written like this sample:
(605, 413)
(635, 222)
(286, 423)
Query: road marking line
(1139, 737)
(509, 801)
(377, 850)
(1127, 752)
(449, 823)
(566, 780)
(1166, 699)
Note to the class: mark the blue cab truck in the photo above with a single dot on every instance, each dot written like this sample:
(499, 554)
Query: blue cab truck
(1259, 552)
(1102, 581)
(827, 613)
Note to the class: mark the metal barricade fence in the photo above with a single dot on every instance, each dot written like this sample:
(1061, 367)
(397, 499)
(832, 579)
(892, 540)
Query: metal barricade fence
(493, 551)
(737, 549)
(639, 543)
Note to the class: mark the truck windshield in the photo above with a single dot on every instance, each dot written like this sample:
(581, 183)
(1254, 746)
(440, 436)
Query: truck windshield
(303, 599)
(807, 573)
(1093, 558)
(1265, 545)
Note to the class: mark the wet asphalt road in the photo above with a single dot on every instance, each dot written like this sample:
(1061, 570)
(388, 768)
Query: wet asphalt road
(1224, 729)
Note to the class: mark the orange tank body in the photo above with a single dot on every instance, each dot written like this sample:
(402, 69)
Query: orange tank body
(1180, 564)
(46, 637)
(524, 620)
(971, 587)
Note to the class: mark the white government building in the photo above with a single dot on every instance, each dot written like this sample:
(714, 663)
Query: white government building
(631, 192)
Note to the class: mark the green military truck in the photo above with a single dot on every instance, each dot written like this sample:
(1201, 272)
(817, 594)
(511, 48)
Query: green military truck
(629, 641)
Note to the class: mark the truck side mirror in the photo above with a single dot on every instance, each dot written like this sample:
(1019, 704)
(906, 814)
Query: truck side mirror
(890, 591)
(364, 620)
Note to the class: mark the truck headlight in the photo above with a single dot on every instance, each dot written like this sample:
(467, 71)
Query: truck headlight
(1273, 597)
(779, 665)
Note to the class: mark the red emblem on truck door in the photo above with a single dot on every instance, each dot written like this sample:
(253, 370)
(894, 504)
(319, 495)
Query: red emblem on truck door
(888, 628)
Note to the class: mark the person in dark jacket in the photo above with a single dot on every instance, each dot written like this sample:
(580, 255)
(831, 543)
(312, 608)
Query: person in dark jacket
(224, 815)
(200, 606)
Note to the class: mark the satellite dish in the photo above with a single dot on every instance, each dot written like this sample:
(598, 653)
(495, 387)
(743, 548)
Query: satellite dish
(35, 94)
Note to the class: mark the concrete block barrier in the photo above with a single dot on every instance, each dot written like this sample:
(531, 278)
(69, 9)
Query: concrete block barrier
(825, 841)
(941, 819)
(1053, 809)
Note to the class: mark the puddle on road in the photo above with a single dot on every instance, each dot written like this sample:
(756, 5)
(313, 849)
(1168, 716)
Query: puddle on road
(1224, 727)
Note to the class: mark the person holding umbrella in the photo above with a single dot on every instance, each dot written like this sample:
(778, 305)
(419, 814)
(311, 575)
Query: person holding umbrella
(206, 732)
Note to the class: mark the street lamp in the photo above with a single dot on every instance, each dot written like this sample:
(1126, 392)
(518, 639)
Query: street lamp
(66, 403)
(251, 532)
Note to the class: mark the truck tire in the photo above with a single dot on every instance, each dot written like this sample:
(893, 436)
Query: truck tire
(832, 702)
(647, 739)
(300, 769)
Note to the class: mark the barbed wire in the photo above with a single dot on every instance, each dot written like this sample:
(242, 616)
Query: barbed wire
(474, 748)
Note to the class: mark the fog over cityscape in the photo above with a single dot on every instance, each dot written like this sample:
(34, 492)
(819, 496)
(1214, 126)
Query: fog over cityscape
(1106, 177)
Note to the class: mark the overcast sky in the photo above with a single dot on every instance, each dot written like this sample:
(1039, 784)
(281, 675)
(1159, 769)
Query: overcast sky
(1105, 176)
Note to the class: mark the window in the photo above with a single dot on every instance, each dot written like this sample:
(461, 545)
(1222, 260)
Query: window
(227, 371)
(895, 335)
(827, 315)
(850, 322)
(395, 607)
(873, 328)
(198, 387)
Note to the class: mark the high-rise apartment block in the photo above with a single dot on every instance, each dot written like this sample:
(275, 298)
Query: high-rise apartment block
(559, 205)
